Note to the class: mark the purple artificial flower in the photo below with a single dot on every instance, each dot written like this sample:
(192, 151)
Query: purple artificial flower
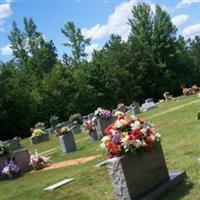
(105, 114)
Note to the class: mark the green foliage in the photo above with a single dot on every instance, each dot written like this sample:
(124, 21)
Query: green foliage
(76, 42)
(53, 120)
(35, 84)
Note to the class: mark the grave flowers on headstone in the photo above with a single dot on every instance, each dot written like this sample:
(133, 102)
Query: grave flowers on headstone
(136, 165)
(103, 119)
(89, 125)
(66, 139)
(39, 133)
(11, 168)
(121, 107)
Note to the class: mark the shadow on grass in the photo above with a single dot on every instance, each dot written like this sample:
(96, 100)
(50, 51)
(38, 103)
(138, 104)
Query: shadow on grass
(179, 191)
(6, 178)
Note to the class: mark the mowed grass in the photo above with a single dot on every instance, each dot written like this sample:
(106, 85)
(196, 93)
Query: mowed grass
(176, 121)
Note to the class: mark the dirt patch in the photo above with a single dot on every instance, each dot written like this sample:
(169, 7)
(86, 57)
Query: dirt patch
(70, 162)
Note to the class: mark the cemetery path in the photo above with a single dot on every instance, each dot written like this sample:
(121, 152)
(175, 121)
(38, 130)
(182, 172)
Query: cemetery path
(174, 109)
(67, 163)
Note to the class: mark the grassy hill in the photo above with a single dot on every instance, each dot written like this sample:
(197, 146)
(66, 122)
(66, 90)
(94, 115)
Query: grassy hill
(176, 121)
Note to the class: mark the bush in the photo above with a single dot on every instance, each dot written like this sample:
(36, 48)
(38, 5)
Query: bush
(53, 120)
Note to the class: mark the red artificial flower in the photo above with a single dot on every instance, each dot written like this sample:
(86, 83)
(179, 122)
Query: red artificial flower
(136, 133)
(149, 139)
(142, 121)
(121, 116)
(108, 129)
(113, 147)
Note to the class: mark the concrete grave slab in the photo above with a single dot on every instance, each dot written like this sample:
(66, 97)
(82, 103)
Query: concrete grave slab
(58, 184)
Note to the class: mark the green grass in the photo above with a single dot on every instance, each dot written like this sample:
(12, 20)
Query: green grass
(180, 132)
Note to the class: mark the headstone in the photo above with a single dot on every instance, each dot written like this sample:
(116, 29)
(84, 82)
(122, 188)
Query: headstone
(59, 184)
(22, 158)
(50, 130)
(148, 105)
(84, 118)
(122, 109)
(63, 124)
(39, 139)
(91, 116)
(76, 129)
(93, 135)
(114, 111)
(134, 108)
(133, 177)
(101, 124)
(67, 143)
(13, 144)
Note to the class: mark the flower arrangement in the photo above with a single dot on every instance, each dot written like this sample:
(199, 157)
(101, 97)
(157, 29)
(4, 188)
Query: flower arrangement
(11, 169)
(195, 88)
(120, 106)
(37, 161)
(89, 125)
(62, 131)
(103, 113)
(129, 135)
(38, 130)
(4, 148)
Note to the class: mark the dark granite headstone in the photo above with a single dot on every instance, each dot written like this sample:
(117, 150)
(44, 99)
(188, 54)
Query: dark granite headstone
(134, 176)
(39, 139)
(50, 130)
(91, 116)
(14, 144)
(93, 135)
(67, 143)
(134, 108)
(122, 109)
(76, 129)
(63, 124)
(22, 159)
(101, 124)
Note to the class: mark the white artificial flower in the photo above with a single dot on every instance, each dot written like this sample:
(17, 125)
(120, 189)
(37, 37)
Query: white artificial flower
(137, 124)
(5, 170)
(143, 130)
(103, 146)
(125, 140)
(105, 138)
(158, 136)
(138, 143)
(117, 124)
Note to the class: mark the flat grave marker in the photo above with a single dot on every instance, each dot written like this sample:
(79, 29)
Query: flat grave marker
(58, 184)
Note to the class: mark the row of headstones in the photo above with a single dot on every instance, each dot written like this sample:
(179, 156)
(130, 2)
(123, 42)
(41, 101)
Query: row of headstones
(67, 141)
(101, 124)
(75, 128)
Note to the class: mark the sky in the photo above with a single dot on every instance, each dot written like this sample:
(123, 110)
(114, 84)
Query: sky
(97, 19)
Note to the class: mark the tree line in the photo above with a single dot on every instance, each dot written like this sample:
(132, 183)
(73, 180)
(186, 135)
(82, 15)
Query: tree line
(35, 84)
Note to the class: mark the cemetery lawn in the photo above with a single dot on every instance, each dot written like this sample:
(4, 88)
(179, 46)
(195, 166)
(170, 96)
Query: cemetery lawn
(176, 121)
